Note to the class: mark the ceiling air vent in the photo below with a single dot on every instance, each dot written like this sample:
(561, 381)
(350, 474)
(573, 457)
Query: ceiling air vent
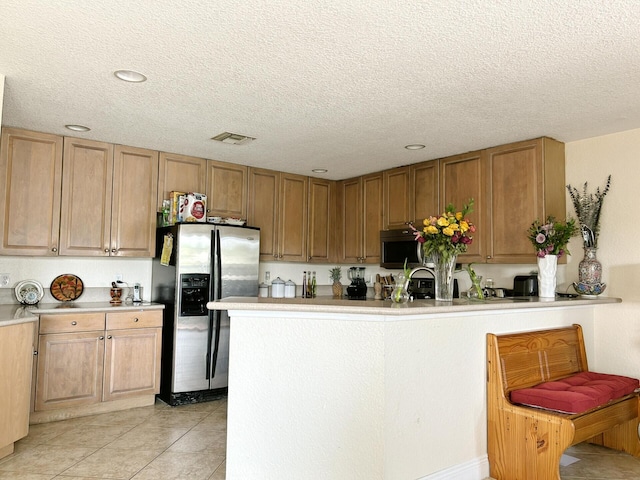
(233, 138)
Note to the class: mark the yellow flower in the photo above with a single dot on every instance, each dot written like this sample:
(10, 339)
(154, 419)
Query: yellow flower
(459, 216)
(431, 229)
(443, 222)
(448, 231)
(464, 226)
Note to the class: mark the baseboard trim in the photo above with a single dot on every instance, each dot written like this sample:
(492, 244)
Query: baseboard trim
(93, 409)
(476, 469)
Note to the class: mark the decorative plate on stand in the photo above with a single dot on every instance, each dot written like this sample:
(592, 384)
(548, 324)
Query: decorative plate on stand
(66, 287)
(29, 292)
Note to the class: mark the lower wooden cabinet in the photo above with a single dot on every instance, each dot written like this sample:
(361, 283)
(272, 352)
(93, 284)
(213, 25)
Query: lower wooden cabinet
(90, 358)
(16, 353)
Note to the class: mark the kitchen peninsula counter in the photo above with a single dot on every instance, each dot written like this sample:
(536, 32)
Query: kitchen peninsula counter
(386, 307)
(328, 388)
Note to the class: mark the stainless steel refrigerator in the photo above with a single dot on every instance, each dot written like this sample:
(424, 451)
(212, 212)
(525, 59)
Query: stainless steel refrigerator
(206, 262)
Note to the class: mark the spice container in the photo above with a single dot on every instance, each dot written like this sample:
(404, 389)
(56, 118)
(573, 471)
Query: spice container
(263, 290)
(277, 288)
(289, 289)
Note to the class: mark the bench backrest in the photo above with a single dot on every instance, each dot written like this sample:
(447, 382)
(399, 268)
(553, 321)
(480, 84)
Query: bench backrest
(529, 358)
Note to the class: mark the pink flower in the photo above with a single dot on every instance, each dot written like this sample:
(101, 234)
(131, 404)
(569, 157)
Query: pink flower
(542, 253)
(540, 238)
(466, 240)
(472, 229)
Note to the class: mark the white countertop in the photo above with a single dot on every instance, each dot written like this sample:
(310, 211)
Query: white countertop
(80, 307)
(386, 307)
(15, 313)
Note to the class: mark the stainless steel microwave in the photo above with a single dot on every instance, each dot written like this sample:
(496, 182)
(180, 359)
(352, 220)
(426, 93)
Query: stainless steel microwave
(396, 246)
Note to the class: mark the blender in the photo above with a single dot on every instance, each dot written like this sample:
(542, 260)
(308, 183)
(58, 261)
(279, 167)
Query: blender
(358, 288)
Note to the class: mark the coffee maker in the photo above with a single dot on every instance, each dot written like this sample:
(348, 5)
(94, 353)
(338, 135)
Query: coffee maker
(358, 288)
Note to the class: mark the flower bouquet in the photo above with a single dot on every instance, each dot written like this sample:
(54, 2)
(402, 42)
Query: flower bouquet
(550, 240)
(552, 237)
(442, 239)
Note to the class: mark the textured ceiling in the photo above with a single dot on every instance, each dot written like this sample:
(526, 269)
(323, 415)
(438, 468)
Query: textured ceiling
(323, 84)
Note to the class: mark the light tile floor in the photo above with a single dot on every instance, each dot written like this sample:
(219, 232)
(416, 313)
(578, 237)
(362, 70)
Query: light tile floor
(189, 443)
(599, 463)
(149, 443)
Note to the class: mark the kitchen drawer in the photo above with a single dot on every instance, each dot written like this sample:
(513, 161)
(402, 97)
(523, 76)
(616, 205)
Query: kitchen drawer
(67, 323)
(139, 319)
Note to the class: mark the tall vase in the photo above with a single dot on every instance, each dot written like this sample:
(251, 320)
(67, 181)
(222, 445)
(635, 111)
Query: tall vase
(547, 268)
(590, 274)
(589, 268)
(443, 266)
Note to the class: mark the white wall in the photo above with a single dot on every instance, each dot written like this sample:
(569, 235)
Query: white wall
(1, 95)
(94, 272)
(617, 328)
(330, 395)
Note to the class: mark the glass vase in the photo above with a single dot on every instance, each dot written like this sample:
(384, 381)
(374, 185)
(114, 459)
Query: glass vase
(400, 293)
(547, 268)
(443, 266)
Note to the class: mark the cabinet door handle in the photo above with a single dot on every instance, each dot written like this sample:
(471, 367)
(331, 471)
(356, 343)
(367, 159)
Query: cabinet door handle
(309, 258)
(54, 249)
(74, 323)
(35, 352)
(106, 250)
(100, 337)
(109, 337)
(113, 250)
(488, 256)
(135, 319)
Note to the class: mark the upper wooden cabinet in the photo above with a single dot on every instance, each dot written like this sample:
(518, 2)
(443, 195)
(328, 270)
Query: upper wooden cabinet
(526, 182)
(397, 198)
(133, 212)
(462, 177)
(227, 187)
(108, 200)
(278, 205)
(180, 173)
(360, 206)
(225, 184)
(30, 186)
(321, 234)
(425, 191)
(85, 219)
(410, 194)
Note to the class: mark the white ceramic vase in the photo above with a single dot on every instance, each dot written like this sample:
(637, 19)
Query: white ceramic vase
(547, 268)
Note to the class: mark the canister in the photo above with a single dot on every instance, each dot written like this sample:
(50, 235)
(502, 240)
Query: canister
(289, 289)
(277, 288)
(263, 290)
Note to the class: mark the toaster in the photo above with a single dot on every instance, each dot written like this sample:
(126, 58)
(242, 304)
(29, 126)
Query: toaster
(525, 286)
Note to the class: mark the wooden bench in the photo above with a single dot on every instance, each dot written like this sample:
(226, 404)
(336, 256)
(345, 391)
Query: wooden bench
(525, 442)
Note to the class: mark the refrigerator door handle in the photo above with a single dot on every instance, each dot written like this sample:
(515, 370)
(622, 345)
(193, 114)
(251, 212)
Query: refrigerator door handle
(216, 341)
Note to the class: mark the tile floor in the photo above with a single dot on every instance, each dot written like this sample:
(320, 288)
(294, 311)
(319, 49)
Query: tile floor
(599, 463)
(189, 443)
(148, 443)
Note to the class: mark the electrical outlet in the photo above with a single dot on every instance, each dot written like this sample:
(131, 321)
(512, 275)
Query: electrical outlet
(5, 279)
(118, 277)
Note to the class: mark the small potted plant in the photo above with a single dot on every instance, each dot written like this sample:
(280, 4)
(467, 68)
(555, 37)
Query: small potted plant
(336, 274)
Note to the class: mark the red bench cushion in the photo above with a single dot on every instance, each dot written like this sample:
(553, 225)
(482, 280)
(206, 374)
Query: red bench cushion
(577, 393)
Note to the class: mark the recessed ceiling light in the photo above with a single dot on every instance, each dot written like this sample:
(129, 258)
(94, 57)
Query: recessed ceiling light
(414, 146)
(130, 76)
(78, 128)
(319, 170)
